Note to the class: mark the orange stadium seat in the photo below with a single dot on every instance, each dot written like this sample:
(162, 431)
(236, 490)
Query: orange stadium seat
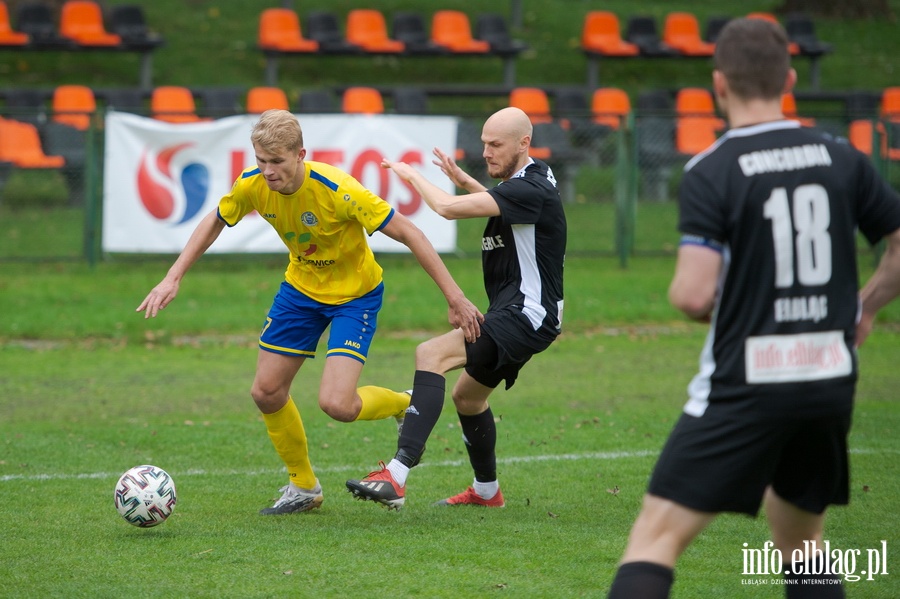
(693, 134)
(697, 126)
(82, 22)
(789, 110)
(262, 98)
(9, 37)
(600, 34)
(890, 112)
(533, 101)
(362, 100)
(890, 103)
(451, 29)
(862, 110)
(367, 29)
(861, 135)
(681, 31)
(174, 104)
(73, 105)
(793, 47)
(765, 16)
(610, 106)
(279, 30)
(694, 101)
(20, 144)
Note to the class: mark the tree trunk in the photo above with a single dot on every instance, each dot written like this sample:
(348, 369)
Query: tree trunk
(857, 9)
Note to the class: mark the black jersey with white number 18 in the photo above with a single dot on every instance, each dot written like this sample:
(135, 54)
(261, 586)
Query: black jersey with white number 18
(784, 203)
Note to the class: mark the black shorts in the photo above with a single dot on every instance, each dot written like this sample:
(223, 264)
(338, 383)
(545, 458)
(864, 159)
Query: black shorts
(506, 344)
(723, 461)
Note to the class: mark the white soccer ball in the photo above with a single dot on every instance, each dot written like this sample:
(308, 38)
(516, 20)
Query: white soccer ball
(145, 496)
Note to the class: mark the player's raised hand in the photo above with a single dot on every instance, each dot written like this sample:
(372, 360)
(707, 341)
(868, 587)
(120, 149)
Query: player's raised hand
(158, 298)
(449, 167)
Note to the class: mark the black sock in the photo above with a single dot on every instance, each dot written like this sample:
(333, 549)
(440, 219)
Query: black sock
(645, 580)
(480, 436)
(423, 413)
(797, 586)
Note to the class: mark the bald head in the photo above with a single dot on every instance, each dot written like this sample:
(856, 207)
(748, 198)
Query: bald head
(510, 121)
(506, 136)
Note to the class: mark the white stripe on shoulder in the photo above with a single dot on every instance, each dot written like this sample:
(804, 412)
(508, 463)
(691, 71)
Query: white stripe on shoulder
(743, 132)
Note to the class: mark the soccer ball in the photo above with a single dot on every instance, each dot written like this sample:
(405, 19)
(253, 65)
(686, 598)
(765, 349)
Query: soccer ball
(145, 496)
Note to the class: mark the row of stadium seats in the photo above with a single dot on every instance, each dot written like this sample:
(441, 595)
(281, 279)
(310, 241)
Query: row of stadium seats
(666, 128)
(670, 125)
(681, 35)
(696, 123)
(870, 120)
(367, 33)
(451, 34)
(586, 117)
(52, 145)
(601, 37)
(75, 105)
(80, 24)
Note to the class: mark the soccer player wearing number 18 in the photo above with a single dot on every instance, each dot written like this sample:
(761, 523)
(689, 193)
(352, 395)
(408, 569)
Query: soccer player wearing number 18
(769, 216)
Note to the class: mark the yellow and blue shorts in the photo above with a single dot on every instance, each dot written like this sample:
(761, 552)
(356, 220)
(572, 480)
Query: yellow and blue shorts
(296, 322)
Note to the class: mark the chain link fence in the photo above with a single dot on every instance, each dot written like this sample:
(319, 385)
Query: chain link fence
(618, 177)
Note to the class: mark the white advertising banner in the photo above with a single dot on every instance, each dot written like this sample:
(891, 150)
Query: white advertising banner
(160, 179)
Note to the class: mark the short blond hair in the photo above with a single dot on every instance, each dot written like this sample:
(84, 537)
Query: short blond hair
(277, 130)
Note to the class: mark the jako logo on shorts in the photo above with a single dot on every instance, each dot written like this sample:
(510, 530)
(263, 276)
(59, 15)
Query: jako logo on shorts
(175, 197)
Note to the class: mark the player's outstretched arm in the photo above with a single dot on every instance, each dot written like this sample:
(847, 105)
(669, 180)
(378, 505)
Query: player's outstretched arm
(452, 207)
(462, 313)
(460, 178)
(203, 236)
(881, 288)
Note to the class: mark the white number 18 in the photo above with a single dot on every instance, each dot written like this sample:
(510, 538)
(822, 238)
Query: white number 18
(812, 216)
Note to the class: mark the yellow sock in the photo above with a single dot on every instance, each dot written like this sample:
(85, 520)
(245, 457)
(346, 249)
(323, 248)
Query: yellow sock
(379, 403)
(289, 438)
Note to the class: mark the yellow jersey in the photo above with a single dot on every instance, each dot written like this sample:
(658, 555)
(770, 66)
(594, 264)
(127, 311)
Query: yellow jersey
(323, 226)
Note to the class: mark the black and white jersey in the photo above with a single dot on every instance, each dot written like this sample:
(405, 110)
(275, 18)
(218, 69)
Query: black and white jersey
(523, 249)
(783, 204)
